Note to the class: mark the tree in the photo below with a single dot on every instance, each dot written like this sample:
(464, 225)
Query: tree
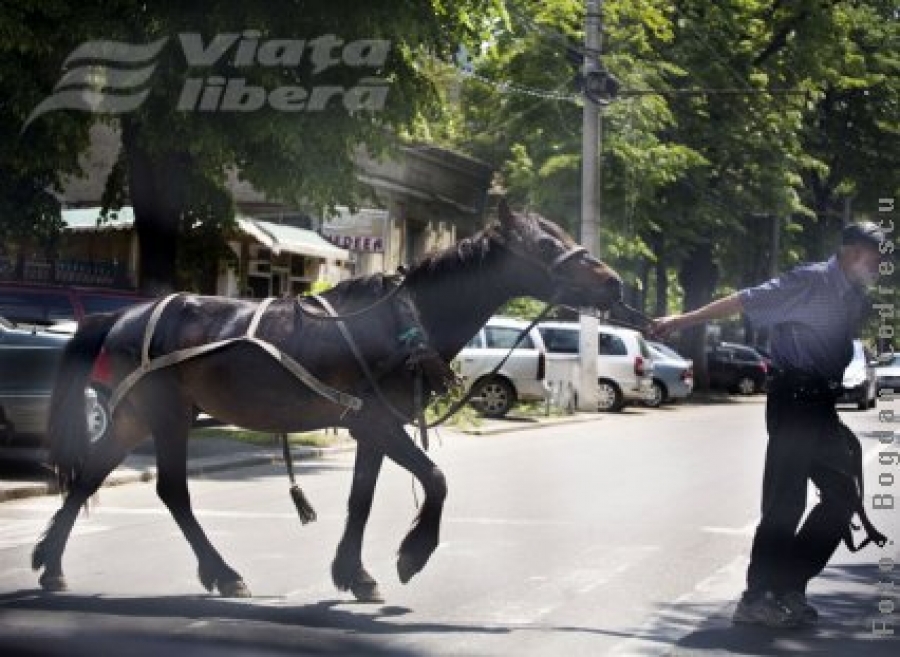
(178, 144)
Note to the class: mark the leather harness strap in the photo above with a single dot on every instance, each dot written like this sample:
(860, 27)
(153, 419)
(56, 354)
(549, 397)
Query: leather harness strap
(349, 402)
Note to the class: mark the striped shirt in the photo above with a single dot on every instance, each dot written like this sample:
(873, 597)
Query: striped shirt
(814, 312)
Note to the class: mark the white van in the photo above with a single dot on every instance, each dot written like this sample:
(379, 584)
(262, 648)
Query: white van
(520, 379)
(624, 361)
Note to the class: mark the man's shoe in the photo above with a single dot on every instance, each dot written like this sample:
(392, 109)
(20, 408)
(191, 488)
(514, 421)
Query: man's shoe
(796, 602)
(764, 610)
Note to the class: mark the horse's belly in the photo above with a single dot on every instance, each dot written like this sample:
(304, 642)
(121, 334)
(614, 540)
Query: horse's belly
(250, 389)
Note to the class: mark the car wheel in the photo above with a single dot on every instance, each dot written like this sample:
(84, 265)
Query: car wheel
(495, 397)
(657, 395)
(98, 417)
(609, 397)
(746, 385)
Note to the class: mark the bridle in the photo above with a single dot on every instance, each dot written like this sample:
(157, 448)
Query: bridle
(550, 269)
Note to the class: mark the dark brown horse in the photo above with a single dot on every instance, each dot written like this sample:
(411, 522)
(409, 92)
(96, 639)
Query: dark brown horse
(454, 291)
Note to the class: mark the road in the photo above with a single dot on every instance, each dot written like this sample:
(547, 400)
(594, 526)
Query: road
(624, 536)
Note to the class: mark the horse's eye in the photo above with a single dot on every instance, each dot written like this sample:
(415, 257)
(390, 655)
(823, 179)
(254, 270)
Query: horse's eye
(548, 246)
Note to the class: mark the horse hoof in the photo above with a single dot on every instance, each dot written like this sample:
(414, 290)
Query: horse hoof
(53, 583)
(407, 566)
(234, 589)
(367, 592)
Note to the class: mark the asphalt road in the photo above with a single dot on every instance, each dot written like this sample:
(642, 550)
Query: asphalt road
(624, 536)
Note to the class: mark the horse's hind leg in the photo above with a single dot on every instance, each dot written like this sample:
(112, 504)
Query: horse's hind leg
(347, 570)
(170, 424)
(102, 458)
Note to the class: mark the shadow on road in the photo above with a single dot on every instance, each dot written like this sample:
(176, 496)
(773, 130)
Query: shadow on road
(847, 598)
(32, 622)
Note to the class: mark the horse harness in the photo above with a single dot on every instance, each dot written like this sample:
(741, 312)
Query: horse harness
(148, 365)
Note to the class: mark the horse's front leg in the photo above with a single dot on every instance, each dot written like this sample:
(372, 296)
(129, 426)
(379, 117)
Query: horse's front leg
(422, 539)
(347, 570)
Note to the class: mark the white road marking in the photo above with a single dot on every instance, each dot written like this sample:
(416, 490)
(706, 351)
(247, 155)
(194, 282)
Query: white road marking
(28, 531)
(746, 530)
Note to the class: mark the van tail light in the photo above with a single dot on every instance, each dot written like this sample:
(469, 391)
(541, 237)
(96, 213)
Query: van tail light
(542, 366)
(763, 367)
(639, 369)
(687, 373)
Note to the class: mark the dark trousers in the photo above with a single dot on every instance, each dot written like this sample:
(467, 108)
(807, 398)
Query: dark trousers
(805, 443)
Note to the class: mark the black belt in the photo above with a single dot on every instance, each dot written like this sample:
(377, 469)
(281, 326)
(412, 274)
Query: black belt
(801, 384)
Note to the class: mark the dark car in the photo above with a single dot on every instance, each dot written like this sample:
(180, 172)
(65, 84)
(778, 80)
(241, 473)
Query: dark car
(57, 309)
(736, 368)
(29, 358)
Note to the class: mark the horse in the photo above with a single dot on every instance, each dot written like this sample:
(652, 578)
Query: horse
(454, 292)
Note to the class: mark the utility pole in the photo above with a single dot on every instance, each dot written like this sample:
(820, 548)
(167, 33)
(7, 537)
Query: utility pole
(590, 146)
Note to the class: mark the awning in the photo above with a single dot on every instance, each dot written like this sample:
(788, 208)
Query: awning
(281, 238)
(86, 219)
(277, 238)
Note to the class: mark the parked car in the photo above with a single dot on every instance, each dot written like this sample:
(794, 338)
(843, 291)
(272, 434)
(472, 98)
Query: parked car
(60, 308)
(887, 373)
(44, 305)
(520, 379)
(624, 362)
(860, 383)
(28, 362)
(673, 376)
(736, 368)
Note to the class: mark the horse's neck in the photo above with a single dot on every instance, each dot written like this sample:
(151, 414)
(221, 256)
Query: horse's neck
(453, 308)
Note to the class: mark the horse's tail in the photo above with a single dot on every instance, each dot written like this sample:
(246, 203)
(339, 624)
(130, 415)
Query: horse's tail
(67, 430)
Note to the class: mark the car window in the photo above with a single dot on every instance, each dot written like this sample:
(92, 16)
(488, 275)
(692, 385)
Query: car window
(97, 303)
(475, 342)
(645, 350)
(611, 345)
(502, 337)
(24, 307)
(560, 341)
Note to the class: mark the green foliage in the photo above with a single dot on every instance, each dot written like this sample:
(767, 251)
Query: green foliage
(174, 162)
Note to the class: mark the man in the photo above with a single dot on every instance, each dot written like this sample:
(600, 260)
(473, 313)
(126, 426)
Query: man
(814, 313)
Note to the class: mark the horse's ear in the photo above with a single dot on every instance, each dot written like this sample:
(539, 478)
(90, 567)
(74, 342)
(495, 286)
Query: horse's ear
(507, 219)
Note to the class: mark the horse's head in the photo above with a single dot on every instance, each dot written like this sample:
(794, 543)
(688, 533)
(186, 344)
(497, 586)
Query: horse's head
(554, 266)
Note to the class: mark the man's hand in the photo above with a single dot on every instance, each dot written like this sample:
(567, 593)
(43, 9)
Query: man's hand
(664, 326)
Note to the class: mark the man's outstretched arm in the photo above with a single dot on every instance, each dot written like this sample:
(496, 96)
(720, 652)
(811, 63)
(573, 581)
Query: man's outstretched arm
(719, 309)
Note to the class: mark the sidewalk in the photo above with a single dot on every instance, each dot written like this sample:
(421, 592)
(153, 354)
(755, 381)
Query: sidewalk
(23, 472)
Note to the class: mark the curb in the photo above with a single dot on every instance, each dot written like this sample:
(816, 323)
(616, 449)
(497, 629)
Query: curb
(196, 468)
(513, 425)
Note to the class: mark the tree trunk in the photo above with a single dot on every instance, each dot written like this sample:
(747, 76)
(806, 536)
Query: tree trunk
(154, 189)
(698, 276)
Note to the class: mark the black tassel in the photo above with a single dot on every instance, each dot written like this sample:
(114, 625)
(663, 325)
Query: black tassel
(304, 508)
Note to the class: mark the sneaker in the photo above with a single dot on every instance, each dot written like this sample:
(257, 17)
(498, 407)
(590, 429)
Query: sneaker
(796, 602)
(764, 610)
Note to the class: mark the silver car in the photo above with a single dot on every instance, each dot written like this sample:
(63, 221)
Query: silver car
(520, 379)
(673, 375)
